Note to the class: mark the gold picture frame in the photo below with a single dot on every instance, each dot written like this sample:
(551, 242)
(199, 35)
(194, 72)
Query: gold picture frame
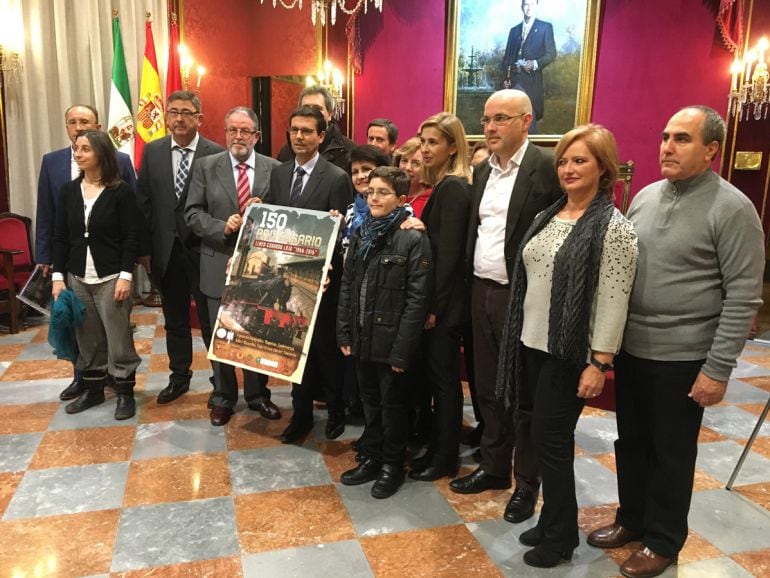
(482, 22)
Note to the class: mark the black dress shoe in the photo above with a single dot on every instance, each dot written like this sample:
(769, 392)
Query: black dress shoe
(172, 391)
(419, 464)
(520, 507)
(479, 481)
(388, 482)
(472, 437)
(335, 425)
(433, 472)
(542, 557)
(532, 537)
(366, 471)
(72, 391)
(267, 409)
(297, 429)
(220, 415)
(89, 398)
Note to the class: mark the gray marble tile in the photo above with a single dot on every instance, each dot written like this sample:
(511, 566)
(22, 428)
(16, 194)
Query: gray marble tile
(733, 422)
(174, 533)
(38, 391)
(145, 332)
(500, 540)
(159, 345)
(278, 468)
(16, 450)
(594, 484)
(729, 521)
(596, 435)
(102, 415)
(714, 568)
(198, 344)
(334, 559)
(36, 351)
(68, 490)
(23, 337)
(719, 459)
(415, 505)
(747, 369)
(178, 438)
(740, 392)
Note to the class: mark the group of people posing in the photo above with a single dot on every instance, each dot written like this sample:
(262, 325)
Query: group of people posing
(523, 260)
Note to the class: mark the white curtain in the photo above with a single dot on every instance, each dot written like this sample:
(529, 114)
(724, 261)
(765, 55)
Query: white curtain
(67, 60)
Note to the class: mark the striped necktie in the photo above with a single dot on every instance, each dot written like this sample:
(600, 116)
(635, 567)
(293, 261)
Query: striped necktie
(296, 188)
(182, 171)
(244, 190)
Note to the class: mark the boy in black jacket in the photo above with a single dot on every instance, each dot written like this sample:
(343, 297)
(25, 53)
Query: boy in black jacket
(383, 303)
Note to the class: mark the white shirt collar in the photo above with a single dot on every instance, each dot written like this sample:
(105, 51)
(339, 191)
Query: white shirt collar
(192, 146)
(513, 162)
(249, 161)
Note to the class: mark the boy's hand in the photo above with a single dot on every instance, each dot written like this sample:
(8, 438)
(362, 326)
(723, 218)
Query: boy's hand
(346, 350)
(430, 322)
(396, 369)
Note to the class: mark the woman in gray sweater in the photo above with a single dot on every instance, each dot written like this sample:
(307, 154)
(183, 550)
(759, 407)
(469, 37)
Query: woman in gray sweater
(569, 299)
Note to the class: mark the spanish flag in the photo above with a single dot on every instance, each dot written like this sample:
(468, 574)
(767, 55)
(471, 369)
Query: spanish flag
(150, 122)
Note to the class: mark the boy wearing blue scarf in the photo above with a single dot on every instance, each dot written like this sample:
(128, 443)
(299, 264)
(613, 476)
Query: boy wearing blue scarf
(383, 303)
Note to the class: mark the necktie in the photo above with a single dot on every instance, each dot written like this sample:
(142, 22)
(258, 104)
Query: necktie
(296, 188)
(181, 171)
(244, 190)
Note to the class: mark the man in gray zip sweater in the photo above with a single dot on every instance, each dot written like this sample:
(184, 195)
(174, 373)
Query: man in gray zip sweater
(697, 288)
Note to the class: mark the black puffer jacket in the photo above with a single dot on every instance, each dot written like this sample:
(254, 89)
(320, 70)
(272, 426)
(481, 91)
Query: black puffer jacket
(399, 288)
(334, 148)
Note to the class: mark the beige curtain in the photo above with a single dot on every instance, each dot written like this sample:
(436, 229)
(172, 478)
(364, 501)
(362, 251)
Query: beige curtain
(67, 60)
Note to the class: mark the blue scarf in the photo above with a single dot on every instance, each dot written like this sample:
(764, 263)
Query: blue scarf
(372, 230)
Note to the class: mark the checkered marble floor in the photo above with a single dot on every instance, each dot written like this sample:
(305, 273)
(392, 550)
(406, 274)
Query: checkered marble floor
(166, 494)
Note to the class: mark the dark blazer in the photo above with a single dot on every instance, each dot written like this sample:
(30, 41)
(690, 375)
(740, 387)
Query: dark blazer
(539, 45)
(536, 188)
(55, 171)
(112, 231)
(446, 218)
(156, 197)
(212, 198)
(328, 187)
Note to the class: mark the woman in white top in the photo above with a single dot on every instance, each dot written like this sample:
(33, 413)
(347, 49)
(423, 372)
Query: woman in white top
(569, 299)
(95, 245)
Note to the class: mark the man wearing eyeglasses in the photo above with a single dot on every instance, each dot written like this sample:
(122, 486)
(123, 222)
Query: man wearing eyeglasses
(312, 182)
(518, 182)
(161, 192)
(222, 187)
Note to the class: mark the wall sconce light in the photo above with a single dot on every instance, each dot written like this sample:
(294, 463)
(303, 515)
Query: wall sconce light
(332, 80)
(11, 37)
(754, 91)
(186, 63)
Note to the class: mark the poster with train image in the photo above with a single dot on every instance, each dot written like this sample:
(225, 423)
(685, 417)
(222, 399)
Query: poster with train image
(273, 290)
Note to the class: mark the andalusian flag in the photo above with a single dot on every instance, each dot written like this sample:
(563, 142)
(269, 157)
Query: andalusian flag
(150, 124)
(120, 123)
(174, 71)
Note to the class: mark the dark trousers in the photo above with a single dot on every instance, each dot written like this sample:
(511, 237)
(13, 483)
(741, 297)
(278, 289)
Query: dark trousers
(179, 283)
(488, 304)
(657, 444)
(385, 398)
(225, 383)
(553, 385)
(470, 370)
(324, 371)
(442, 346)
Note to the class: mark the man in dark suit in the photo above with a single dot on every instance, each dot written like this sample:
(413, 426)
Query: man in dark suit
(59, 167)
(312, 182)
(222, 186)
(161, 193)
(335, 146)
(530, 49)
(518, 182)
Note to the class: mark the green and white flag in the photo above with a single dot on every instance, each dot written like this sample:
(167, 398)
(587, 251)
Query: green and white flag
(120, 122)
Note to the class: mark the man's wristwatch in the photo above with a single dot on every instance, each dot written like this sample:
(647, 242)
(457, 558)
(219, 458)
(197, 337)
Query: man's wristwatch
(603, 367)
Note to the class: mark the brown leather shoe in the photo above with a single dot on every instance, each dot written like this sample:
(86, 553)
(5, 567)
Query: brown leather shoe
(220, 415)
(612, 536)
(645, 563)
(267, 409)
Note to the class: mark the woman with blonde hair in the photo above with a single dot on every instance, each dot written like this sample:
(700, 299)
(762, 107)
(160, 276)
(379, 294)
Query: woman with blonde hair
(445, 167)
(568, 303)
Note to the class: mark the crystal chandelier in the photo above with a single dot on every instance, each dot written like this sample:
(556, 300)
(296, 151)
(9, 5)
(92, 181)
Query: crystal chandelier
(332, 80)
(320, 8)
(754, 91)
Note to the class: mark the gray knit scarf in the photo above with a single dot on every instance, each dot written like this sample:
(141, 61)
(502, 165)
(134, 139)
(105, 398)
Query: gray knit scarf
(575, 277)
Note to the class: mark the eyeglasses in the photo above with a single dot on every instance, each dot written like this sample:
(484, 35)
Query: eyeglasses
(232, 131)
(499, 119)
(304, 131)
(185, 114)
(377, 193)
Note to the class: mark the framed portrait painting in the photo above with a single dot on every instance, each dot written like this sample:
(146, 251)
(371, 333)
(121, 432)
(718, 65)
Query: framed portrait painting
(546, 48)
